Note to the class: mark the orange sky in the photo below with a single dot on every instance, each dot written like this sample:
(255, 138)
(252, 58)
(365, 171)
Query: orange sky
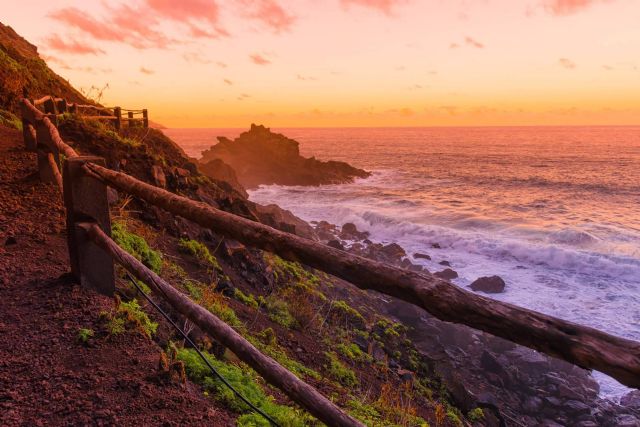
(216, 63)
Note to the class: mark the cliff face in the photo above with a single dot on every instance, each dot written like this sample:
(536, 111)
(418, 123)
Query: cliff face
(21, 67)
(260, 156)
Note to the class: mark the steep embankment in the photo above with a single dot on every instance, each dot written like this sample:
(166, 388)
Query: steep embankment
(22, 68)
(48, 375)
(260, 156)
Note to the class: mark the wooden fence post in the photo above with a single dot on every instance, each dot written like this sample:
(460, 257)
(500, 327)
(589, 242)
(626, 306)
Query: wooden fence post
(117, 111)
(85, 199)
(130, 117)
(50, 109)
(28, 121)
(74, 108)
(145, 118)
(44, 146)
(61, 106)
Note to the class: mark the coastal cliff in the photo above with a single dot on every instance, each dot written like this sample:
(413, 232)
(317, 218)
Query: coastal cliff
(260, 156)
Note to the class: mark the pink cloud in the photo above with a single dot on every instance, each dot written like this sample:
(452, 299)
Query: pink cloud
(259, 59)
(196, 58)
(568, 7)
(385, 6)
(146, 71)
(71, 46)
(567, 63)
(229, 82)
(474, 43)
(269, 13)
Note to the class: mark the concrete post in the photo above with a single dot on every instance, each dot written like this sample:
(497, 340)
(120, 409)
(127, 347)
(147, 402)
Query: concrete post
(85, 199)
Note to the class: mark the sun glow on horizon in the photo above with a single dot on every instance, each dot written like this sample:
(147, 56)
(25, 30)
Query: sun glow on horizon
(344, 63)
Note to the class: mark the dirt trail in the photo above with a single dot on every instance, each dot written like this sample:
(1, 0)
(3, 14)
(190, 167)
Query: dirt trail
(46, 376)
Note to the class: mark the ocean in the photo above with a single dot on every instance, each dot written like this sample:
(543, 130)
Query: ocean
(554, 211)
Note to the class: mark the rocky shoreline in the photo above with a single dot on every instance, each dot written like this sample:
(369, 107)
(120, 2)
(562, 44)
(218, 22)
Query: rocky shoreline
(522, 386)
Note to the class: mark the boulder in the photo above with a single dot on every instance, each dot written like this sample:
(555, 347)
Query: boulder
(489, 285)
(445, 263)
(335, 244)
(393, 251)
(350, 232)
(159, 177)
(421, 256)
(446, 274)
(631, 399)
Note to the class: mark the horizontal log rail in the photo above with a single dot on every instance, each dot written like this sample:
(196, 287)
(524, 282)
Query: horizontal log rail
(581, 345)
(299, 391)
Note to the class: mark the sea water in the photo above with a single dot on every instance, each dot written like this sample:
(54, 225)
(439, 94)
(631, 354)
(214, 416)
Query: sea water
(554, 211)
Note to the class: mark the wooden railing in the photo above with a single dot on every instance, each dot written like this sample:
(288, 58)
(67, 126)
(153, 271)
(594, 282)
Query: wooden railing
(92, 253)
(56, 106)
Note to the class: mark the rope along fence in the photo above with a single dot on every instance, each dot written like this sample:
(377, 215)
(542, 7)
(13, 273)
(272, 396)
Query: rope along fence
(92, 253)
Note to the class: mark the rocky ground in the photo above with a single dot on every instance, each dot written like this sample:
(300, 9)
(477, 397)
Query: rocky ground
(47, 375)
(260, 156)
(523, 386)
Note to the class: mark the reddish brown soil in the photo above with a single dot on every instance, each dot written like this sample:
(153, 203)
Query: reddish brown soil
(47, 377)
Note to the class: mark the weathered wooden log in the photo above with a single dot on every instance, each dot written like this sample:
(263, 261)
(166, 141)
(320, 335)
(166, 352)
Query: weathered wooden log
(46, 149)
(117, 111)
(56, 139)
(85, 199)
(100, 117)
(299, 391)
(41, 100)
(145, 118)
(581, 345)
(55, 170)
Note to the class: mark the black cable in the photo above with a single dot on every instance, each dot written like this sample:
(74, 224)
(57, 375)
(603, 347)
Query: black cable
(184, 335)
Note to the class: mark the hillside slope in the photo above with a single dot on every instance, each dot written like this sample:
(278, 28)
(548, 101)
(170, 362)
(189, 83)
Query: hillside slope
(22, 68)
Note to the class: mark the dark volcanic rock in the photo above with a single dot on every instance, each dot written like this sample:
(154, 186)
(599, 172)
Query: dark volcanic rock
(490, 285)
(350, 232)
(446, 274)
(217, 169)
(421, 256)
(335, 244)
(260, 156)
(631, 399)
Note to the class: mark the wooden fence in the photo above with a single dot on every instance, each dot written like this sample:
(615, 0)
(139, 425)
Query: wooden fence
(56, 106)
(84, 184)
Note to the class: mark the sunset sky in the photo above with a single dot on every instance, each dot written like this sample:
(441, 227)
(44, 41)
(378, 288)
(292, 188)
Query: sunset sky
(217, 63)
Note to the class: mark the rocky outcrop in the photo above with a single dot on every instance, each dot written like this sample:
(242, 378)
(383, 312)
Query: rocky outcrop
(489, 285)
(217, 169)
(260, 156)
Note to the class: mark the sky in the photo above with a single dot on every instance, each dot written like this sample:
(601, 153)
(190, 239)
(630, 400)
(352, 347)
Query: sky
(334, 63)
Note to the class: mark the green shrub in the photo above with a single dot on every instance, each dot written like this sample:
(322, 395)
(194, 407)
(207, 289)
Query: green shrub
(8, 119)
(278, 311)
(343, 311)
(475, 414)
(245, 299)
(128, 316)
(200, 252)
(266, 341)
(84, 335)
(353, 352)
(245, 381)
(339, 372)
(136, 246)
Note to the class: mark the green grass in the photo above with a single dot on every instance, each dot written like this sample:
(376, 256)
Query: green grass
(248, 300)
(352, 352)
(136, 246)
(343, 310)
(8, 119)
(338, 371)
(200, 252)
(129, 316)
(475, 414)
(84, 335)
(246, 382)
(278, 311)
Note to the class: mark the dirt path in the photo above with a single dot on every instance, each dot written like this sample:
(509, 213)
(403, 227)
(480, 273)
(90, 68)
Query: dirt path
(46, 376)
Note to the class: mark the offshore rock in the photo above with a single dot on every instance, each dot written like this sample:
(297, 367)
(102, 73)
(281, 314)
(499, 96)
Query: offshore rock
(260, 156)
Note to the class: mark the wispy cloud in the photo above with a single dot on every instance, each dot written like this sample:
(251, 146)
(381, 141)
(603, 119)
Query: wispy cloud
(384, 6)
(71, 46)
(470, 41)
(227, 81)
(567, 63)
(147, 71)
(258, 59)
(270, 13)
(568, 7)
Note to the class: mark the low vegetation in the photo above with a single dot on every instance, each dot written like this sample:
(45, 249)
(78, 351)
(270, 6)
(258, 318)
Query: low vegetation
(8, 119)
(246, 382)
(338, 371)
(136, 246)
(129, 316)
